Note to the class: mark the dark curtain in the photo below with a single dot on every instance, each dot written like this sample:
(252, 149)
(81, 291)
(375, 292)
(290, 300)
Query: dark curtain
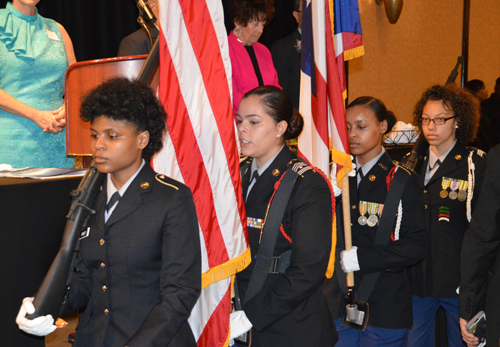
(96, 27)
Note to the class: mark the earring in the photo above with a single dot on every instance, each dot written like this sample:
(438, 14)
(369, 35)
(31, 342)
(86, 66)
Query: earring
(456, 126)
(237, 31)
(278, 136)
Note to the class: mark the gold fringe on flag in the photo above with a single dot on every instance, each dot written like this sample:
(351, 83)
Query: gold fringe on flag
(343, 159)
(227, 269)
(354, 53)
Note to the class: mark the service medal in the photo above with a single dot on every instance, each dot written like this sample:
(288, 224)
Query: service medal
(363, 205)
(462, 195)
(454, 185)
(462, 190)
(445, 183)
(362, 220)
(372, 220)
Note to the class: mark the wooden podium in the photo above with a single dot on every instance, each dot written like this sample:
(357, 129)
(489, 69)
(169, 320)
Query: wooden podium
(80, 79)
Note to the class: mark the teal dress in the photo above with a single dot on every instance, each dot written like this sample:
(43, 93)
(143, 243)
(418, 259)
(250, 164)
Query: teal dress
(33, 62)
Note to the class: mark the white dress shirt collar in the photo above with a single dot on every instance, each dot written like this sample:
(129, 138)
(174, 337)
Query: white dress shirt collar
(111, 189)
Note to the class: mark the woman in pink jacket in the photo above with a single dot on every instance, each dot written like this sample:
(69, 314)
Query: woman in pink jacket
(252, 64)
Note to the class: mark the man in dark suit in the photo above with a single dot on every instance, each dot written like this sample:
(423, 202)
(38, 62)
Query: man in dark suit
(480, 261)
(138, 270)
(491, 109)
(286, 58)
(138, 42)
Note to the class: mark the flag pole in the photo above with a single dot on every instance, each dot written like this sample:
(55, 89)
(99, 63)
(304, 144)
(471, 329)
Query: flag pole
(346, 202)
(465, 42)
(356, 313)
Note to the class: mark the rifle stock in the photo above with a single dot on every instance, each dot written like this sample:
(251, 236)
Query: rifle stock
(51, 293)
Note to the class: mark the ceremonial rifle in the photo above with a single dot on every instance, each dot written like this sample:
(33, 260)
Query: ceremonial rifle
(50, 295)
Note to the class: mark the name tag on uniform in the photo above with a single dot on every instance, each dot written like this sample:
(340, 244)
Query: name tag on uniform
(85, 233)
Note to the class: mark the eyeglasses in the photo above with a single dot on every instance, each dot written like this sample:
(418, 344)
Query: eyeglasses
(437, 121)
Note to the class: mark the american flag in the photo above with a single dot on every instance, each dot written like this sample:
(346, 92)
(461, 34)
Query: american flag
(201, 150)
(321, 103)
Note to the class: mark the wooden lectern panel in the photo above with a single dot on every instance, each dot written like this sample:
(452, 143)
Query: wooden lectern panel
(80, 79)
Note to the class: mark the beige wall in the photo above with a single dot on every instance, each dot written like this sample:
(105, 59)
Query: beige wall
(421, 49)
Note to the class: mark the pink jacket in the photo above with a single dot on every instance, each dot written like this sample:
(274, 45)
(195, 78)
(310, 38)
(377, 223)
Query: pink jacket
(244, 78)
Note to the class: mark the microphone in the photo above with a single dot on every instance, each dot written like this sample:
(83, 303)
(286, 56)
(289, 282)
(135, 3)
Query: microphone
(146, 11)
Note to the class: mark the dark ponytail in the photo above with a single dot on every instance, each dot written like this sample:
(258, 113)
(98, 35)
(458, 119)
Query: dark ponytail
(295, 126)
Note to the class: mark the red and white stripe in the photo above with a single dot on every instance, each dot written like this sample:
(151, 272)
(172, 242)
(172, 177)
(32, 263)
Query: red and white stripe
(201, 149)
(324, 114)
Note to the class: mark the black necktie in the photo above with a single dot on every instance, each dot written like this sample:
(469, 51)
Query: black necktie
(116, 196)
(436, 164)
(360, 173)
(255, 176)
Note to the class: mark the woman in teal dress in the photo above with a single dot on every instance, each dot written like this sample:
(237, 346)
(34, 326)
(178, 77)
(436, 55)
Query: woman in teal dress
(34, 55)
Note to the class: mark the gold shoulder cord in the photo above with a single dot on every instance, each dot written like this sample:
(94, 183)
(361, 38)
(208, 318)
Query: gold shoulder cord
(165, 183)
(395, 162)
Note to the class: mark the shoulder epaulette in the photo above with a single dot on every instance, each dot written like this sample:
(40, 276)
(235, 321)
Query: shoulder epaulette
(299, 166)
(163, 180)
(408, 171)
(478, 151)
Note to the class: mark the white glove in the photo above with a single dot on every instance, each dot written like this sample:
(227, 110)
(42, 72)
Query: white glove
(353, 171)
(349, 260)
(239, 324)
(336, 190)
(40, 326)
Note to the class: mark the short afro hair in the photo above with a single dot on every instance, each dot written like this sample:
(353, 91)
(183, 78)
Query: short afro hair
(464, 105)
(243, 11)
(129, 101)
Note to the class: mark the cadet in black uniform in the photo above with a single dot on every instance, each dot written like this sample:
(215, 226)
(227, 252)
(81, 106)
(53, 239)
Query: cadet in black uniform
(480, 266)
(452, 175)
(139, 266)
(390, 314)
(289, 309)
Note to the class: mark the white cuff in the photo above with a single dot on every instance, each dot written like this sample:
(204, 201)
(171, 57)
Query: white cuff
(239, 324)
(349, 260)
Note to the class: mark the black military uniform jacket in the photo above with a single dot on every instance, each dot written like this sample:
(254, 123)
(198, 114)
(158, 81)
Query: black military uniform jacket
(438, 275)
(480, 261)
(290, 310)
(140, 274)
(390, 301)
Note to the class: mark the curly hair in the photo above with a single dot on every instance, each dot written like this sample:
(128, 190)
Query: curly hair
(130, 101)
(243, 11)
(279, 107)
(464, 105)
